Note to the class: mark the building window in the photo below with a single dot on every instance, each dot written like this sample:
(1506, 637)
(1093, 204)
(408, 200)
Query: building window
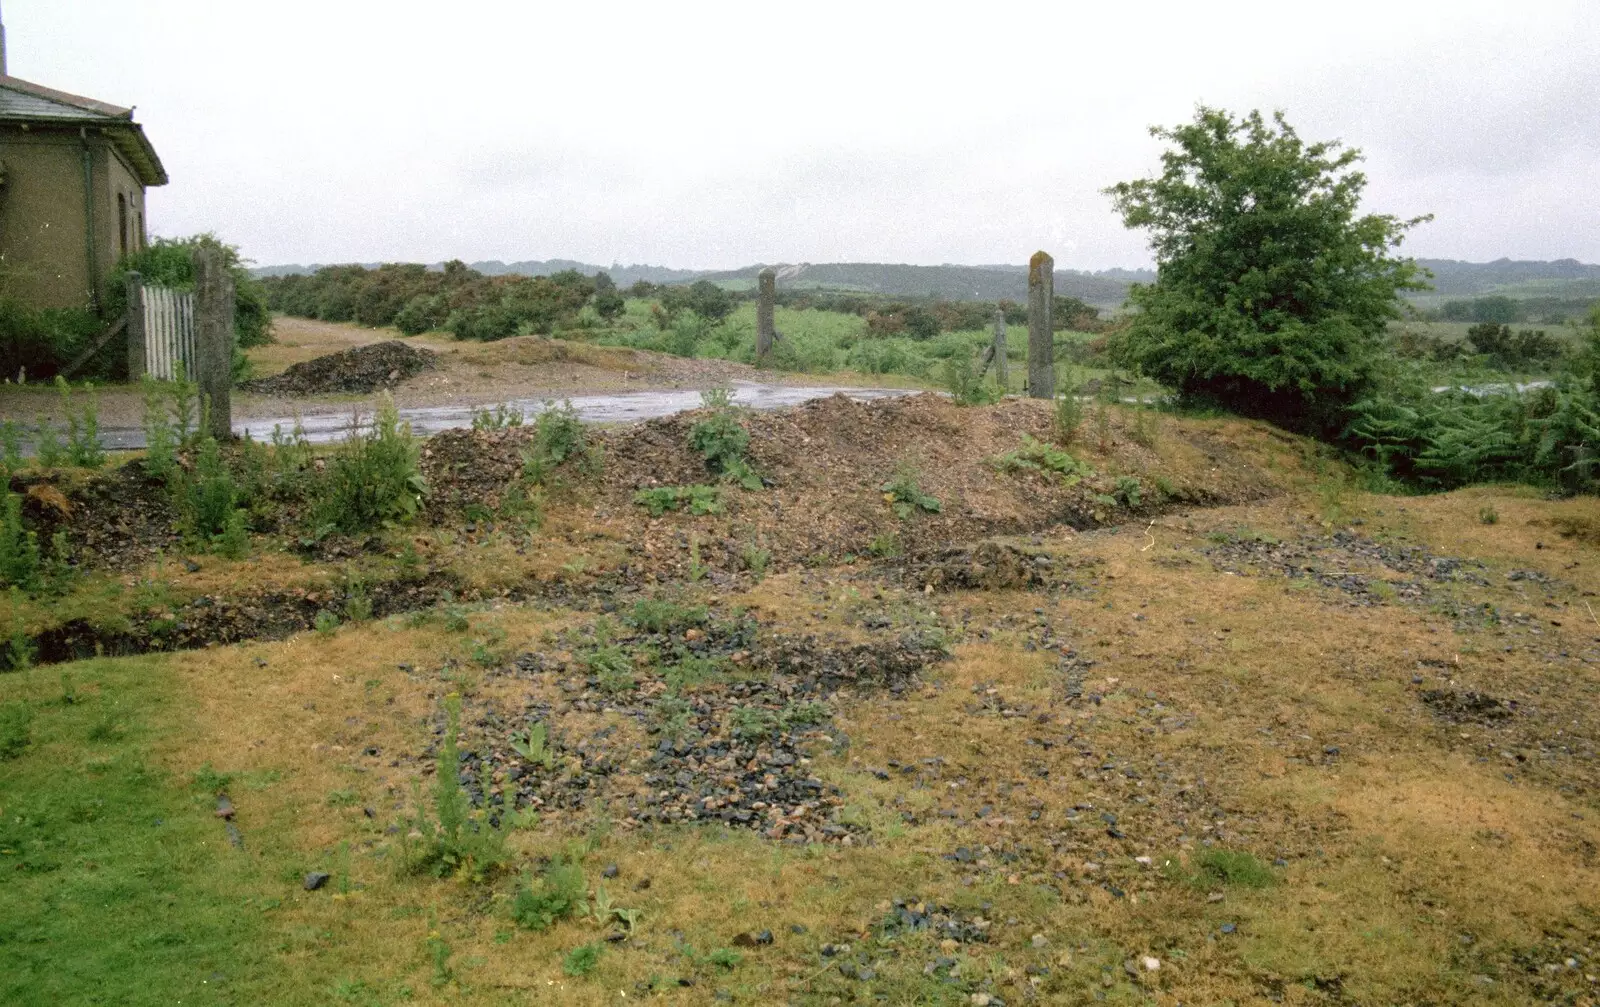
(122, 221)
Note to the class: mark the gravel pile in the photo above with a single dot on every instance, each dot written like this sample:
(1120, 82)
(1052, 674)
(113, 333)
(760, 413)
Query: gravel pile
(363, 369)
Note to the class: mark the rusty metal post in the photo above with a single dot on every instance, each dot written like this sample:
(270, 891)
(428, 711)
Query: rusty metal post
(213, 323)
(1041, 335)
(766, 330)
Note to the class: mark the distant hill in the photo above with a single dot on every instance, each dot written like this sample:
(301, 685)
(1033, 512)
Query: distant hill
(1556, 283)
(956, 283)
(1454, 278)
(623, 275)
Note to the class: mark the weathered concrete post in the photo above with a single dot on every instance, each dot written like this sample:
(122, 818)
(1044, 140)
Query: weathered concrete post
(766, 331)
(1002, 366)
(136, 361)
(1041, 337)
(213, 324)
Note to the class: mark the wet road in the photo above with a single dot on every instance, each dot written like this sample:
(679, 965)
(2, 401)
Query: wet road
(622, 408)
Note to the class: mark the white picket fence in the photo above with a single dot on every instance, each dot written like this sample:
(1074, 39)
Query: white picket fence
(169, 346)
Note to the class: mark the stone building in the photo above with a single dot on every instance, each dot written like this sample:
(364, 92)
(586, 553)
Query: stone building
(73, 174)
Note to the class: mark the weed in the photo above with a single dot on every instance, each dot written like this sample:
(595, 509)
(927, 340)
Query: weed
(208, 781)
(534, 745)
(1102, 426)
(501, 417)
(439, 955)
(659, 615)
(1038, 456)
(885, 545)
(357, 601)
(803, 714)
(690, 671)
(208, 503)
(1128, 492)
(612, 668)
(1146, 430)
(673, 717)
(905, 495)
(1067, 416)
(374, 478)
(558, 436)
(83, 429)
(581, 960)
(697, 569)
(722, 440)
(1488, 515)
(46, 445)
(1231, 867)
(756, 559)
(725, 958)
(697, 499)
(343, 799)
(16, 729)
(325, 623)
(69, 690)
(458, 840)
(965, 385)
(18, 652)
(10, 448)
(751, 723)
(19, 547)
(557, 895)
(455, 620)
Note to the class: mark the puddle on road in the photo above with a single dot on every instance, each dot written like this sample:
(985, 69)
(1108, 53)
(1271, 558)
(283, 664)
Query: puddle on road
(623, 408)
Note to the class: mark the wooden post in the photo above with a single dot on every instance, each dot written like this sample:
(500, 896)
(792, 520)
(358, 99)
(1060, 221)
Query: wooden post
(136, 336)
(1002, 366)
(1041, 335)
(766, 331)
(213, 323)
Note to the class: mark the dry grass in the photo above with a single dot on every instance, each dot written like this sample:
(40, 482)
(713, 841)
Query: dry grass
(1394, 848)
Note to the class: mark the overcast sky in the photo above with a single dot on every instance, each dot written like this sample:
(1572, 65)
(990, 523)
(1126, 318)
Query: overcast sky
(718, 135)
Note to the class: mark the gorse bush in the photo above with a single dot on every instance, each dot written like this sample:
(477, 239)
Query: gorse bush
(374, 478)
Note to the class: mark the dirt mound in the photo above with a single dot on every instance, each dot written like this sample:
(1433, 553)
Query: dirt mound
(825, 466)
(363, 369)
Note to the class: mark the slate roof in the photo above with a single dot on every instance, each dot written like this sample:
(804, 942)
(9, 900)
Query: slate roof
(23, 101)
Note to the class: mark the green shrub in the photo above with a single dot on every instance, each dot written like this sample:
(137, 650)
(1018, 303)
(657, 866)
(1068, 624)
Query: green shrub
(19, 547)
(36, 344)
(722, 440)
(169, 262)
(1271, 295)
(16, 732)
(558, 437)
(374, 479)
(1129, 492)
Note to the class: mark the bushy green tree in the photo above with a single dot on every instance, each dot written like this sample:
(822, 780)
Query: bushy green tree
(1271, 294)
(169, 262)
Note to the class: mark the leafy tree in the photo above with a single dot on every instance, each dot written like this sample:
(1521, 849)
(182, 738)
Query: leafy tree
(169, 262)
(1271, 294)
